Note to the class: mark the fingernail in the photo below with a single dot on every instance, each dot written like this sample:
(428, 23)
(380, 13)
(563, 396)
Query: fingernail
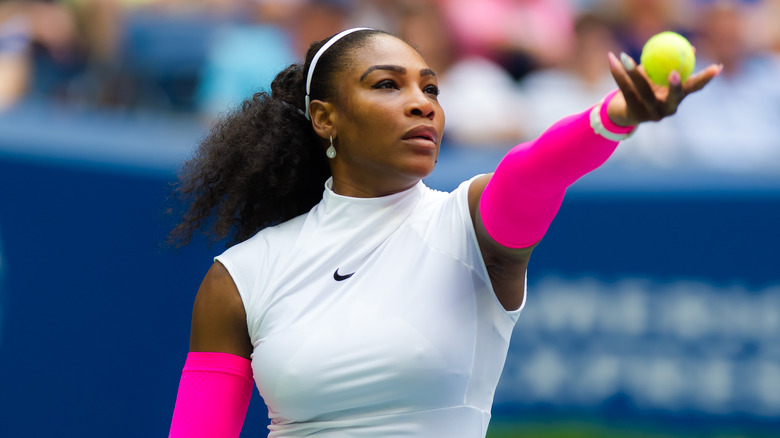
(613, 61)
(628, 63)
(674, 78)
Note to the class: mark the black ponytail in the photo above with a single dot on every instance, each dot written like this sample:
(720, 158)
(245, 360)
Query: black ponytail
(262, 164)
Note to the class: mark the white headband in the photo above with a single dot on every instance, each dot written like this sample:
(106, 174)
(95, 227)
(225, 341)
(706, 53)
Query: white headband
(317, 55)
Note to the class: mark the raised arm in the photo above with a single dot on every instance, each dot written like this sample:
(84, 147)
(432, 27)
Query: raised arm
(216, 383)
(513, 207)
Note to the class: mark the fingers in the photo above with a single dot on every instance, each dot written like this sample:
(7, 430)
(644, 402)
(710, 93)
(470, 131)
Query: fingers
(646, 101)
(618, 72)
(676, 93)
(698, 81)
(624, 82)
(642, 85)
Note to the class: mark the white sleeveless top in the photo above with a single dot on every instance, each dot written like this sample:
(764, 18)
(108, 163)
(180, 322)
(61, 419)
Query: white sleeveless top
(373, 318)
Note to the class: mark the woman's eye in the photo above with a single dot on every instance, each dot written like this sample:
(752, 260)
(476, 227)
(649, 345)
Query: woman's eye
(433, 90)
(387, 84)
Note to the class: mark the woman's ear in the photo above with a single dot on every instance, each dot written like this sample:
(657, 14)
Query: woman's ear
(323, 118)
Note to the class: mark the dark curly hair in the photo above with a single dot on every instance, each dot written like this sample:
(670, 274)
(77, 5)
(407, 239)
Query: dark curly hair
(262, 164)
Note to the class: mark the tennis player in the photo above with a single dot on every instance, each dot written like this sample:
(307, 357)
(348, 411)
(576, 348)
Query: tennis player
(359, 301)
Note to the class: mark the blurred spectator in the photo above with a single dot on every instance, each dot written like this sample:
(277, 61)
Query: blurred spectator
(763, 25)
(145, 54)
(378, 14)
(734, 126)
(582, 79)
(479, 97)
(243, 58)
(39, 50)
(163, 50)
(521, 35)
(637, 20)
(100, 23)
(772, 17)
(206, 56)
(316, 20)
(15, 59)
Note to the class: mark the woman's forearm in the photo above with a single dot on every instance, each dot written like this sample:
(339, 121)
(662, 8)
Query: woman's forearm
(527, 188)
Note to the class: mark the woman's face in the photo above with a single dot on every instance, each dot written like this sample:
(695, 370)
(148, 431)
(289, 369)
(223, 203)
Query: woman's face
(387, 120)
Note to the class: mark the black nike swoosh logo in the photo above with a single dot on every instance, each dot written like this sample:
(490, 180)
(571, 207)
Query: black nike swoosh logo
(338, 277)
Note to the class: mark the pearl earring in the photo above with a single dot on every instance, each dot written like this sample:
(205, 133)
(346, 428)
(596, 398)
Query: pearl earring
(331, 151)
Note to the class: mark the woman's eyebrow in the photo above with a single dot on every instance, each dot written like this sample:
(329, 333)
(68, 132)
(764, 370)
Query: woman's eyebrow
(396, 69)
(393, 68)
(427, 72)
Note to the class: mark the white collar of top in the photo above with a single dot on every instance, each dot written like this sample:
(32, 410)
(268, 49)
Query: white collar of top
(317, 55)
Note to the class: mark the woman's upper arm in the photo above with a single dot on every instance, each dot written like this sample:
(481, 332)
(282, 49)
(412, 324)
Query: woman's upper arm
(506, 266)
(218, 316)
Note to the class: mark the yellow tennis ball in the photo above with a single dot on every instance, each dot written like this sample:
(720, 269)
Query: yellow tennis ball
(665, 52)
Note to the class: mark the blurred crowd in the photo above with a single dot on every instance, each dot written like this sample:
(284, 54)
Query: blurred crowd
(507, 68)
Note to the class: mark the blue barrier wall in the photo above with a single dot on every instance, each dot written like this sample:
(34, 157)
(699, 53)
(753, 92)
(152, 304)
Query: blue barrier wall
(653, 294)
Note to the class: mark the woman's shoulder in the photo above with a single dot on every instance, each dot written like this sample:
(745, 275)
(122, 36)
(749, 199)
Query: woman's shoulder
(257, 250)
(436, 199)
(244, 261)
(273, 238)
(443, 213)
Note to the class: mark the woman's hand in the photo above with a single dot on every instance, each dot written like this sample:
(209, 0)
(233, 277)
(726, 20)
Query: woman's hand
(641, 100)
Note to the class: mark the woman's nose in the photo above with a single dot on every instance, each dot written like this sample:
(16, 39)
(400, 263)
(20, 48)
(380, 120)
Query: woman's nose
(420, 105)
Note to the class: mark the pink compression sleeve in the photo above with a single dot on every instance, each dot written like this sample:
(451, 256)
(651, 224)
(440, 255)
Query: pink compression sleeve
(213, 397)
(527, 188)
